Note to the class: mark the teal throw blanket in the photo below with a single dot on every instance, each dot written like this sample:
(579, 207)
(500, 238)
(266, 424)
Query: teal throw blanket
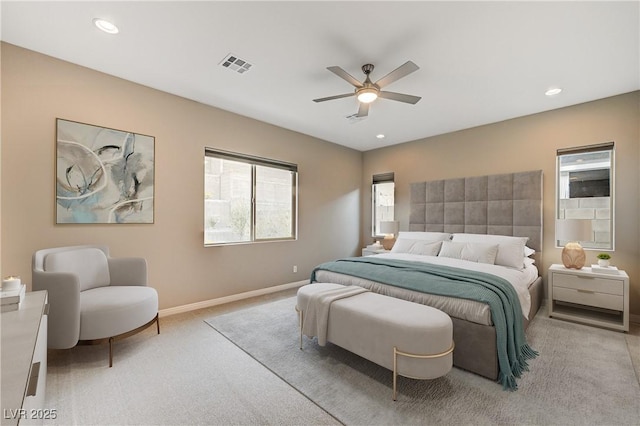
(506, 313)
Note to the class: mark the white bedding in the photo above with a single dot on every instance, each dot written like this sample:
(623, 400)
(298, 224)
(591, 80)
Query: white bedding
(460, 308)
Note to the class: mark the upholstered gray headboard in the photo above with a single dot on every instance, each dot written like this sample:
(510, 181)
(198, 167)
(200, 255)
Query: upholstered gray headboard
(505, 204)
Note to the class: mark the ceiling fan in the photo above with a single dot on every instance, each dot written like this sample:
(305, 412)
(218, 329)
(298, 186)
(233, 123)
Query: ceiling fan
(367, 92)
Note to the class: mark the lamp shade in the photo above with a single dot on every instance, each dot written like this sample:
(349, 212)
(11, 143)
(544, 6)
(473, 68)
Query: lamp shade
(389, 227)
(574, 230)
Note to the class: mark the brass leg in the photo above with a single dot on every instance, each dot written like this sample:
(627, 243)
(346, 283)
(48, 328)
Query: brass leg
(395, 372)
(300, 320)
(396, 352)
(110, 352)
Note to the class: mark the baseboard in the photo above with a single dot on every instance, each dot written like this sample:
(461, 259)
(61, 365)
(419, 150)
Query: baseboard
(228, 299)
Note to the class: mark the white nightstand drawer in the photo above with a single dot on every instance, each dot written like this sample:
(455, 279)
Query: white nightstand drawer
(595, 284)
(589, 298)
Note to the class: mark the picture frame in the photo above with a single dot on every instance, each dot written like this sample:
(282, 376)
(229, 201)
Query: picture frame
(103, 175)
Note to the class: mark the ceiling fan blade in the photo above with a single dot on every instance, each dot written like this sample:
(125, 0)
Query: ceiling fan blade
(363, 111)
(402, 71)
(409, 99)
(330, 98)
(345, 76)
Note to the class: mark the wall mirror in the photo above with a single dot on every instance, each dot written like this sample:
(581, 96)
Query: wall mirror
(585, 191)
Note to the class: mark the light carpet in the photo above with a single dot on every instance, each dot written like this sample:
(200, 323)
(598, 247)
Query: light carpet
(187, 375)
(584, 375)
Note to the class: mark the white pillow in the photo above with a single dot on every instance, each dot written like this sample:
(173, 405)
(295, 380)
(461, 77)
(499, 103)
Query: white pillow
(428, 248)
(425, 248)
(473, 252)
(481, 253)
(528, 251)
(510, 249)
(451, 249)
(402, 245)
(424, 236)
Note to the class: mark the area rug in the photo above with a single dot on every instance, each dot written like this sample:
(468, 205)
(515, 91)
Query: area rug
(584, 375)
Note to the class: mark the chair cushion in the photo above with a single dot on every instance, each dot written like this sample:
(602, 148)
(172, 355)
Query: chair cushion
(89, 264)
(110, 311)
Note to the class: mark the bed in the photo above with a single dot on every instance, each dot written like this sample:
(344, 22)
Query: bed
(478, 213)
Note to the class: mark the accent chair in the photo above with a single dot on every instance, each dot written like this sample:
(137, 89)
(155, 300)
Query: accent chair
(93, 298)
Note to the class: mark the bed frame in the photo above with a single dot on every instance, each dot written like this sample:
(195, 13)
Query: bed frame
(504, 204)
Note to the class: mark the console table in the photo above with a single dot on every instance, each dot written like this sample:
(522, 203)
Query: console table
(24, 362)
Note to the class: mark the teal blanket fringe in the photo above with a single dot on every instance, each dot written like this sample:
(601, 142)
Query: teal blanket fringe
(506, 313)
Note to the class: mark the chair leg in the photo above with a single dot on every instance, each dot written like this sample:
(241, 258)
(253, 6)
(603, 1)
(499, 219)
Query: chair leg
(120, 336)
(110, 352)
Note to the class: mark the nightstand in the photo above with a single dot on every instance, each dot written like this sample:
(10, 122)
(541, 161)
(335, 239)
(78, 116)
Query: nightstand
(370, 252)
(589, 297)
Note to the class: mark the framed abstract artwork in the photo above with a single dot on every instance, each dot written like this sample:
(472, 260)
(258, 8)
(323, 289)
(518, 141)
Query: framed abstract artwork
(103, 175)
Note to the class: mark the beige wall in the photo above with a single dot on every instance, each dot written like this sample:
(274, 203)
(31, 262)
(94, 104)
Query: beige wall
(36, 89)
(529, 143)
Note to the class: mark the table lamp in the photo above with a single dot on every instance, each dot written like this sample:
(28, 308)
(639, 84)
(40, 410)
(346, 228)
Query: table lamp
(389, 229)
(573, 231)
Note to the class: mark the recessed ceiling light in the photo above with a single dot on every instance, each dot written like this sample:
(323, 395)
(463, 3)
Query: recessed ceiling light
(106, 26)
(553, 91)
(380, 136)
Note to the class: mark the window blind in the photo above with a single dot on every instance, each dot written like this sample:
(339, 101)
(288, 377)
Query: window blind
(250, 159)
(606, 146)
(383, 177)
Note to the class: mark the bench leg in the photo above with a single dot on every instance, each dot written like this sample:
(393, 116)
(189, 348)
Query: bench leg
(395, 373)
(396, 352)
(300, 322)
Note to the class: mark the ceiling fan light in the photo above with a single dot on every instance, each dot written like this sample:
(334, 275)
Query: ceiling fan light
(367, 95)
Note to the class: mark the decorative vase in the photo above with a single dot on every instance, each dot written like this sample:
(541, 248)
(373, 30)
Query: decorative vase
(387, 243)
(573, 256)
(604, 263)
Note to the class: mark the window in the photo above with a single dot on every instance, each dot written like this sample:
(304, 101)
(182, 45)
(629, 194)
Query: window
(382, 201)
(248, 199)
(585, 191)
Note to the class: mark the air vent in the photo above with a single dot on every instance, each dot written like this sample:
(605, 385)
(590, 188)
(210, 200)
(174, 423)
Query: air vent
(236, 64)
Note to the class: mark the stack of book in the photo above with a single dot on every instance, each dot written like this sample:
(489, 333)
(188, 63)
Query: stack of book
(604, 269)
(11, 299)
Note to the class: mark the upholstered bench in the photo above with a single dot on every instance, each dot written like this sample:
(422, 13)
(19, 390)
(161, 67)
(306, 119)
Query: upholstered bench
(411, 339)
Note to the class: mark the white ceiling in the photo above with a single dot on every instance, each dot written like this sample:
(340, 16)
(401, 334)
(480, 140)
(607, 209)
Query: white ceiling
(480, 62)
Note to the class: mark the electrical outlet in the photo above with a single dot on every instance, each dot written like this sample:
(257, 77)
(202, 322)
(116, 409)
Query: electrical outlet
(295, 268)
